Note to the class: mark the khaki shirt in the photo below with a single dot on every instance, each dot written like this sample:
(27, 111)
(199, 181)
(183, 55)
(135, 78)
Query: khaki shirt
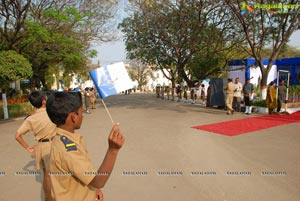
(71, 169)
(42, 128)
(230, 88)
(40, 124)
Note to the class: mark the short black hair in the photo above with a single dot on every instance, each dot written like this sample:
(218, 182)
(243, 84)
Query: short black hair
(60, 104)
(36, 98)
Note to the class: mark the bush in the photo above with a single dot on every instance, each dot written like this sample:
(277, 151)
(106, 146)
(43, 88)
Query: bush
(17, 110)
(294, 93)
(259, 103)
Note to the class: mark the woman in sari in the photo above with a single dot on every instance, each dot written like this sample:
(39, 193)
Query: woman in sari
(271, 100)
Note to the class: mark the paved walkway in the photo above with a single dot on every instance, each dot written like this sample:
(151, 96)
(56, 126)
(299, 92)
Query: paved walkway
(164, 159)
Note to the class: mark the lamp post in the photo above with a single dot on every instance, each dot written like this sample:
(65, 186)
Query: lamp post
(4, 102)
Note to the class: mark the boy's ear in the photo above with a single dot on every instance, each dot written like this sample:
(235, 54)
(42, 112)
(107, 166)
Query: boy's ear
(73, 117)
(44, 102)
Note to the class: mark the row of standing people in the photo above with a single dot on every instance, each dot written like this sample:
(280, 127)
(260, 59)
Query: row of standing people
(181, 92)
(235, 90)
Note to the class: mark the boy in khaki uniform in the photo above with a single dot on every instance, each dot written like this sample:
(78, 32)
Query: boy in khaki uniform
(43, 130)
(72, 174)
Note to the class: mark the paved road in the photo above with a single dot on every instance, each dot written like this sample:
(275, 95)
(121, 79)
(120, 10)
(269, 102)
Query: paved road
(164, 159)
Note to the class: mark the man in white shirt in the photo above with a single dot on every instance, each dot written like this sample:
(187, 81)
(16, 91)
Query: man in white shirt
(237, 95)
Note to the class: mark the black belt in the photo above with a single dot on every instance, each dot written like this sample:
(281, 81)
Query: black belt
(44, 140)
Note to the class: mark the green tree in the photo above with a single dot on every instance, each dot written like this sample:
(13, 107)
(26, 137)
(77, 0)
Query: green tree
(286, 52)
(55, 34)
(13, 66)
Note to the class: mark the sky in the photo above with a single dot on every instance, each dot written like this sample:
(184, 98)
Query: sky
(295, 39)
(112, 52)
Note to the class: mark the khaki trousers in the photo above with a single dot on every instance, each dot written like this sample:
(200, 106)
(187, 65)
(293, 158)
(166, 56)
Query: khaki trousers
(229, 100)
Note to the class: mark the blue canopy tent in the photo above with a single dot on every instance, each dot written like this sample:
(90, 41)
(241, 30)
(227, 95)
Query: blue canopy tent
(245, 68)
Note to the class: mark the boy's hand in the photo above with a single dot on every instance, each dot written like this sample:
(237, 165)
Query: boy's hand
(99, 195)
(115, 138)
(31, 150)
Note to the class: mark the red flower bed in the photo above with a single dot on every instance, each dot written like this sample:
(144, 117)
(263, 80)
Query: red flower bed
(22, 99)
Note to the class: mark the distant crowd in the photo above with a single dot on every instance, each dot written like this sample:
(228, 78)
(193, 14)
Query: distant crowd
(236, 94)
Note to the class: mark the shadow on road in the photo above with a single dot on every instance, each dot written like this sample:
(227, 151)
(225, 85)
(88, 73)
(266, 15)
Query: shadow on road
(31, 167)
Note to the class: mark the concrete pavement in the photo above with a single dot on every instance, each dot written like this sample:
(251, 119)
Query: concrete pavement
(164, 159)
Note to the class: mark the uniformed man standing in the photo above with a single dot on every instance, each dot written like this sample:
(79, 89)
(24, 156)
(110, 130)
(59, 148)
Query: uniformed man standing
(43, 130)
(229, 96)
(168, 91)
(162, 91)
(72, 174)
(158, 90)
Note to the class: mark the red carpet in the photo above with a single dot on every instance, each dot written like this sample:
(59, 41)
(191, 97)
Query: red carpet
(241, 126)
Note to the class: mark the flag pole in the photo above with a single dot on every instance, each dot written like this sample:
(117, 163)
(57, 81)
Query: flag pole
(107, 111)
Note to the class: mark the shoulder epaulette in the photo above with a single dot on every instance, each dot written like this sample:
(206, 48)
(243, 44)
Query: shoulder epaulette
(70, 146)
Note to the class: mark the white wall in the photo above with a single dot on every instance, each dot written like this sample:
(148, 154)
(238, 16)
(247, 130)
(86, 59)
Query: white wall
(159, 78)
(255, 74)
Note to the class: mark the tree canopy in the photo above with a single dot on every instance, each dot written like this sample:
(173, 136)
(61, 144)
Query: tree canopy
(55, 34)
(13, 66)
(180, 34)
(198, 38)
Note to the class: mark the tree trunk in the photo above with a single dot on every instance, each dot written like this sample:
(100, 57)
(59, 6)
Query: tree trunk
(173, 88)
(183, 75)
(263, 82)
(4, 104)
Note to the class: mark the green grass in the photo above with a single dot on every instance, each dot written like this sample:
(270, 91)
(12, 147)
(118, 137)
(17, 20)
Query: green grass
(17, 110)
